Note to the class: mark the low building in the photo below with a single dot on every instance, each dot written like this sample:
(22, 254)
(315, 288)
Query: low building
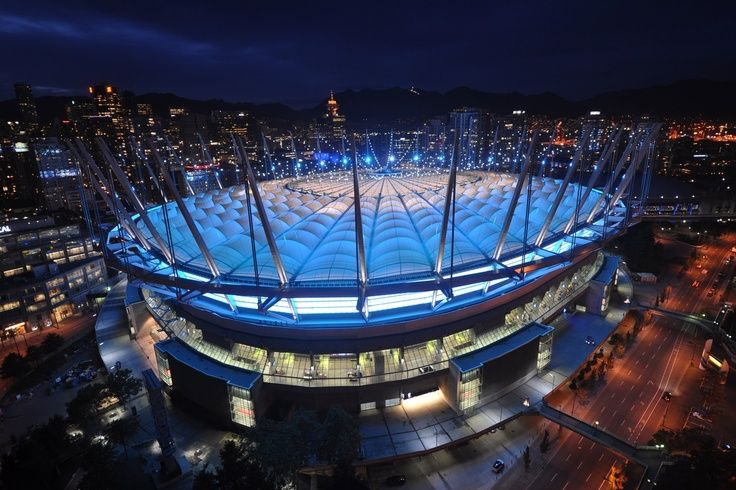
(48, 272)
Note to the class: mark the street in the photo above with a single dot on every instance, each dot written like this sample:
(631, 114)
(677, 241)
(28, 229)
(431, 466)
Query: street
(630, 404)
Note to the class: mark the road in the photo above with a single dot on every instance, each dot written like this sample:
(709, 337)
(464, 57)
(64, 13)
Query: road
(630, 405)
(70, 328)
(467, 466)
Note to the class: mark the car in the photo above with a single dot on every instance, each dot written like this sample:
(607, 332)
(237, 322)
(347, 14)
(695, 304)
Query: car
(696, 284)
(395, 481)
(725, 447)
(426, 369)
(710, 294)
(589, 340)
(498, 466)
(666, 396)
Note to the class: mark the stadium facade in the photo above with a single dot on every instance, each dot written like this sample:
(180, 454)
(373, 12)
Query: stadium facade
(363, 288)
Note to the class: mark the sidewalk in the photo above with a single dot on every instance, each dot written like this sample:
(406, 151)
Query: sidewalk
(194, 438)
(426, 423)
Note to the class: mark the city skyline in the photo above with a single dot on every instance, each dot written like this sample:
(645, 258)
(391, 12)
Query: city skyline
(256, 55)
(359, 246)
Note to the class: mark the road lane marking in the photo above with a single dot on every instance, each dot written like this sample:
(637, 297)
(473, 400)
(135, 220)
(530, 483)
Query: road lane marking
(566, 484)
(553, 478)
(602, 454)
(568, 457)
(579, 465)
(586, 480)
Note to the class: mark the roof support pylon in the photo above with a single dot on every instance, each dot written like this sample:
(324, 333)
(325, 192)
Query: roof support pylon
(597, 170)
(262, 213)
(631, 171)
(616, 171)
(359, 243)
(134, 199)
(514, 199)
(125, 220)
(561, 192)
(182, 207)
(449, 197)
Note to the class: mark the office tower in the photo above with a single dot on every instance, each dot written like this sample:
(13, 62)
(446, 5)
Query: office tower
(58, 174)
(109, 107)
(26, 107)
(471, 126)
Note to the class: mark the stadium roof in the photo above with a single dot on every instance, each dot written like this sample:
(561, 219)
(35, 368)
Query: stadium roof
(313, 224)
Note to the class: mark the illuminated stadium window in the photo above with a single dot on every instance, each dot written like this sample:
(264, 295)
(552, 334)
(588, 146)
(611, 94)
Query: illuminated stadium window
(392, 402)
(241, 406)
(367, 406)
(163, 367)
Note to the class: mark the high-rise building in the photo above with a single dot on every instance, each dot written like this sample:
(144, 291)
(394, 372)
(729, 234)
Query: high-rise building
(26, 107)
(109, 106)
(58, 175)
(335, 119)
(471, 126)
(18, 174)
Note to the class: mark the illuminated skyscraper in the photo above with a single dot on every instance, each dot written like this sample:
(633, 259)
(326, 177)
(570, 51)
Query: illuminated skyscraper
(471, 126)
(335, 120)
(58, 175)
(109, 105)
(26, 107)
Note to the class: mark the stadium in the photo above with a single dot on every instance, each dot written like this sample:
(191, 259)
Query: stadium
(364, 288)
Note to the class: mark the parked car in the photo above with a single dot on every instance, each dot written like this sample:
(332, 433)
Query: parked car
(498, 466)
(395, 480)
(667, 396)
(589, 340)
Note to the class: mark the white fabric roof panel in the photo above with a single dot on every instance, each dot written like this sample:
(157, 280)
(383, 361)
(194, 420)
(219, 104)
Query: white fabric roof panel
(313, 224)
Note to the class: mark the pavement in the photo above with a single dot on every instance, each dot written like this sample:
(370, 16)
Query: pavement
(427, 422)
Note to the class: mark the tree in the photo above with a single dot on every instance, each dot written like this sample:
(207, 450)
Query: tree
(51, 343)
(123, 385)
(239, 469)
(121, 430)
(84, 406)
(339, 438)
(544, 445)
(618, 477)
(99, 466)
(33, 353)
(204, 480)
(611, 360)
(33, 459)
(14, 365)
(286, 446)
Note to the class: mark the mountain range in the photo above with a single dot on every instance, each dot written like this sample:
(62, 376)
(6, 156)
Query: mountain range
(371, 106)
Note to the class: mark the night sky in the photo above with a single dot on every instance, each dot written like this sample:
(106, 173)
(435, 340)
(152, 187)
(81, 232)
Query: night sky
(268, 51)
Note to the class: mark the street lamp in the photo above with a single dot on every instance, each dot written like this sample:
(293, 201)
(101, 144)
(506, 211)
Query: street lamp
(596, 426)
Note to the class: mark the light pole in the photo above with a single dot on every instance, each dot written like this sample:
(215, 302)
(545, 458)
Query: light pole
(596, 427)
(664, 417)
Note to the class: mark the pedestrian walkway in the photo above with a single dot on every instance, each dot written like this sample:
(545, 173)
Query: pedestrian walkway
(426, 423)
(194, 438)
(648, 457)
